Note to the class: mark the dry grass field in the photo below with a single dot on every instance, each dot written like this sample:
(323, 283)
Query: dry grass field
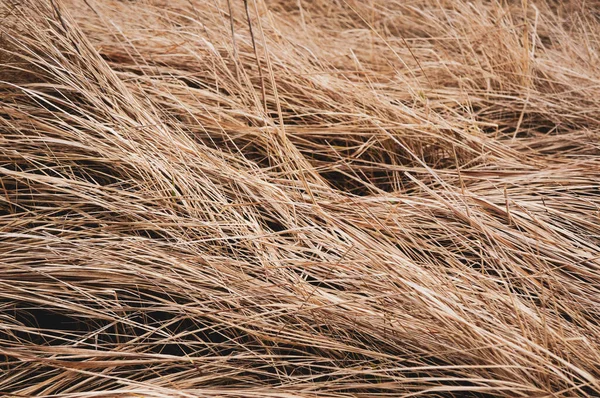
(299, 198)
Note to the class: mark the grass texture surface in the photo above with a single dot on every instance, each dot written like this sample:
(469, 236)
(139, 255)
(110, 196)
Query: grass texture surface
(294, 198)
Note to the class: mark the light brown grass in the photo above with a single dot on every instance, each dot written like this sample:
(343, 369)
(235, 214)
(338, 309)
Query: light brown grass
(343, 199)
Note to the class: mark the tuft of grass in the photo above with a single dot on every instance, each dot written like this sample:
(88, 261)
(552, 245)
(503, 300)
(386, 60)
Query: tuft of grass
(273, 198)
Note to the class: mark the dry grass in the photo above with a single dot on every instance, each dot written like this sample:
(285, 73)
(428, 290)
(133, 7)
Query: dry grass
(343, 199)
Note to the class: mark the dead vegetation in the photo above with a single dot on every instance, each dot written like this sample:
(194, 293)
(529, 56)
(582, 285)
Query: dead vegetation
(326, 198)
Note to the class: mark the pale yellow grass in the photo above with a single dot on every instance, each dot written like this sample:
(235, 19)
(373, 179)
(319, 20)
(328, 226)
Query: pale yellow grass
(283, 199)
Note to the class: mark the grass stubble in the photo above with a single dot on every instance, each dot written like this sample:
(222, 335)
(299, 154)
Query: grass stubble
(343, 199)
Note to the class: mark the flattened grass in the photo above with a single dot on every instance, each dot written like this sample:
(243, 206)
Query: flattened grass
(297, 199)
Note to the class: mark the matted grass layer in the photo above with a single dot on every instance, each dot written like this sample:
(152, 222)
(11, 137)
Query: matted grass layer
(278, 198)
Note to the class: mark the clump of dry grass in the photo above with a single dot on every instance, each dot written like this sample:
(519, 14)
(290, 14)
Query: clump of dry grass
(343, 199)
